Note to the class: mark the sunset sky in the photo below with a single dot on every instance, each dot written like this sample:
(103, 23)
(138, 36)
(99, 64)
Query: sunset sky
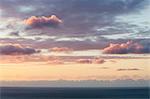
(74, 40)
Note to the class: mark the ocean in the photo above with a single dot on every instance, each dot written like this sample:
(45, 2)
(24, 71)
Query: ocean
(73, 93)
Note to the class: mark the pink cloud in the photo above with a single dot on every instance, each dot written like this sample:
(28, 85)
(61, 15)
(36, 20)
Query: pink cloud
(125, 48)
(61, 49)
(84, 61)
(55, 62)
(48, 21)
(91, 61)
(98, 61)
(30, 58)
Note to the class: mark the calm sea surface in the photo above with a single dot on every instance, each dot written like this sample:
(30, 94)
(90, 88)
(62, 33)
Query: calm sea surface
(73, 93)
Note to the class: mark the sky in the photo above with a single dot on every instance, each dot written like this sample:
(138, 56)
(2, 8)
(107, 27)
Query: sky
(74, 40)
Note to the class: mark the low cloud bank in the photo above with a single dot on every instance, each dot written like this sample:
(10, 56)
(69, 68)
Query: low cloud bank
(125, 48)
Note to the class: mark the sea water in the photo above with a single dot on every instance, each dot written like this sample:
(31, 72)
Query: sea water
(73, 93)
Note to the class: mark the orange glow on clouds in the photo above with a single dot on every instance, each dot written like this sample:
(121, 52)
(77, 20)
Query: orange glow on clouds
(39, 21)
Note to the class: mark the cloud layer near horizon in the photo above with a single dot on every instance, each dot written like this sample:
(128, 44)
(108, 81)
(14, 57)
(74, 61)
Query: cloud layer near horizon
(125, 48)
(17, 50)
(90, 61)
(61, 49)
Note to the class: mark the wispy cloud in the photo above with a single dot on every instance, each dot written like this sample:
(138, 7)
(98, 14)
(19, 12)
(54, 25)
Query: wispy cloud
(128, 69)
(90, 61)
(61, 49)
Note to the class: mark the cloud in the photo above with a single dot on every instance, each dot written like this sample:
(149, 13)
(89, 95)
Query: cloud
(91, 61)
(16, 33)
(61, 49)
(129, 69)
(82, 19)
(125, 48)
(17, 50)
(98, 61)
(30, 58)
(71, 6)
(55, 62)
(80, 16)
(43, 21)
(84, 61)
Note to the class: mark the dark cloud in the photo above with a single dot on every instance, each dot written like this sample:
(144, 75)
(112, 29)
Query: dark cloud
(73, 44)
(16, 50)
(14, 33)
(67, 7)
(43, 21)
(80, 16)
(125, 48)
(129, 69)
